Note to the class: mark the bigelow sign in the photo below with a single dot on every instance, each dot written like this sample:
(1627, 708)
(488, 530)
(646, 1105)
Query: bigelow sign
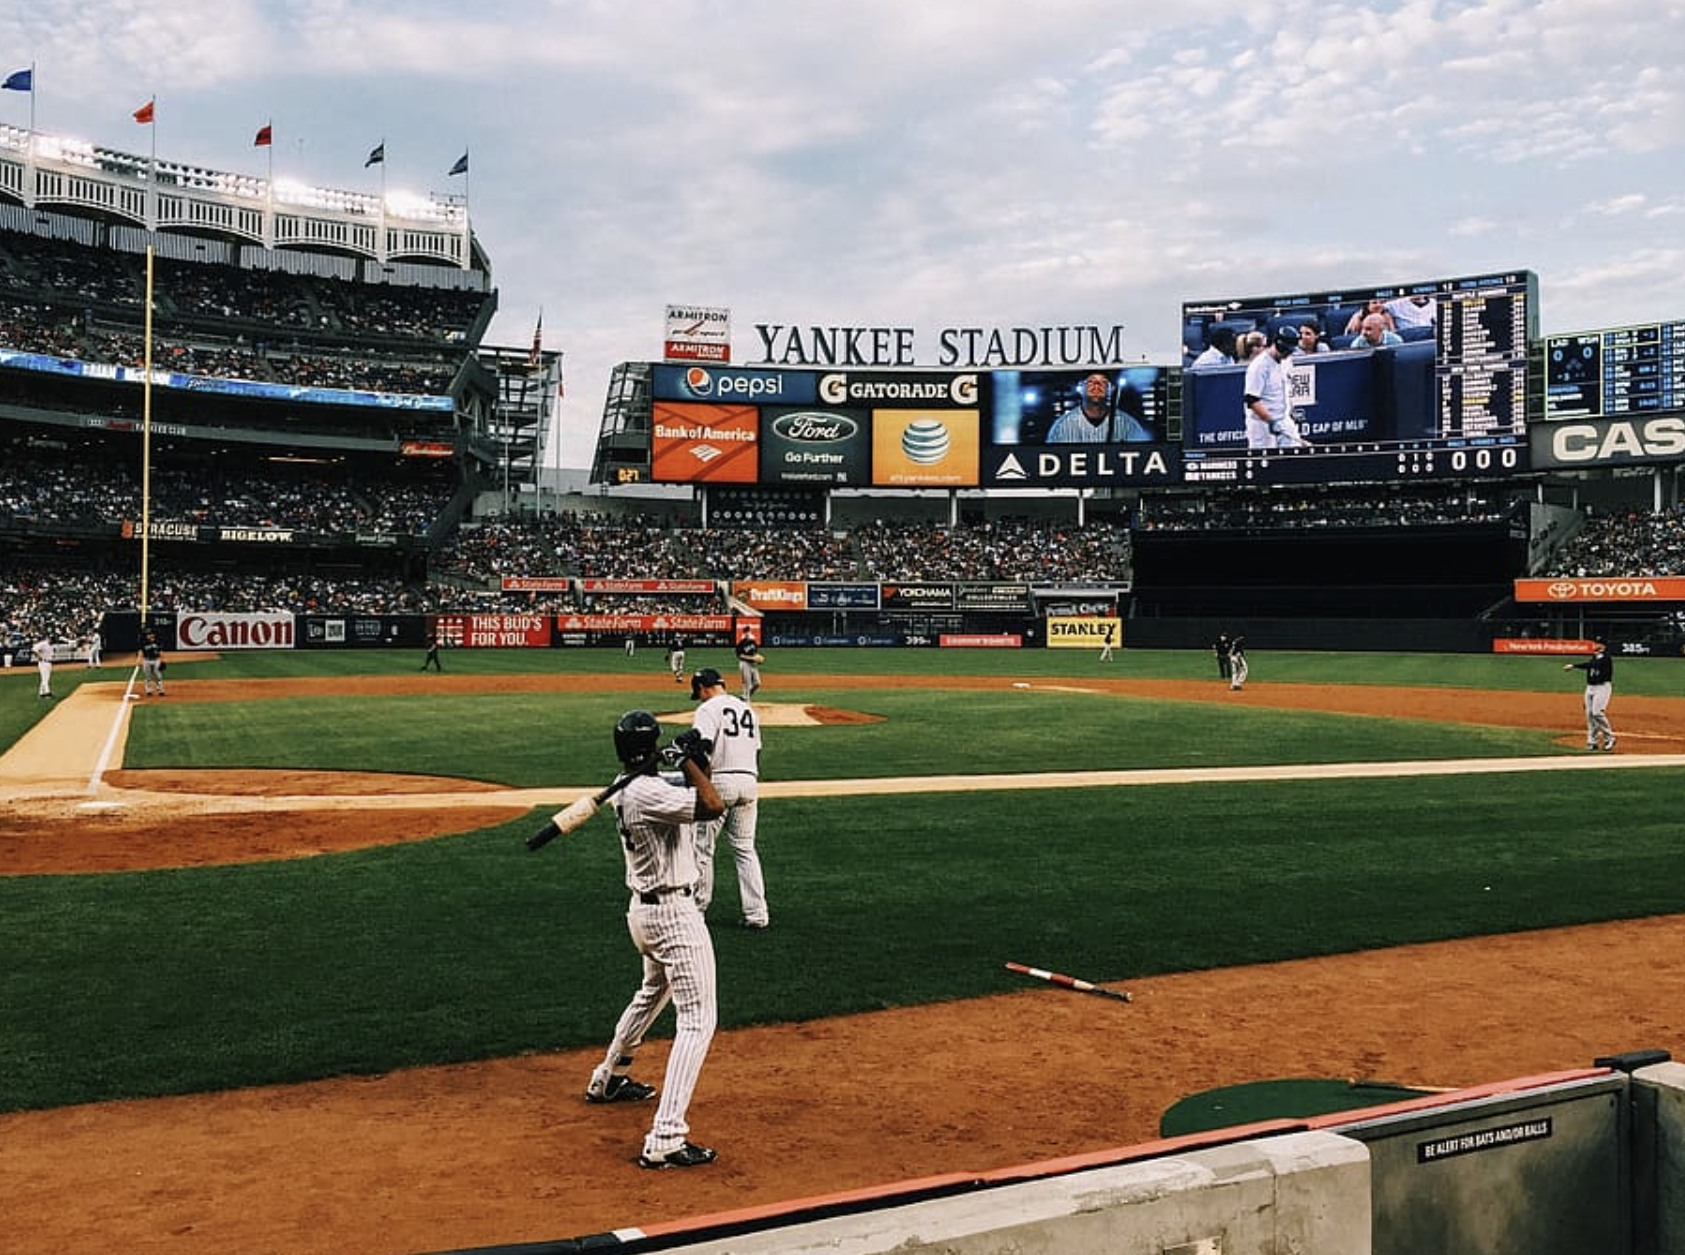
(219, 631)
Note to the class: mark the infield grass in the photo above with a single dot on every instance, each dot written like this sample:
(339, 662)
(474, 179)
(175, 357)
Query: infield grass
(468, 947)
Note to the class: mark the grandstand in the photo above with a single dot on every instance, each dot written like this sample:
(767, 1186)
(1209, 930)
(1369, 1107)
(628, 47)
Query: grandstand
(321, 409)
(325, 433)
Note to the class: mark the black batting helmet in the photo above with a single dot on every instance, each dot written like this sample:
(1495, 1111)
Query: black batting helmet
(1286, 337)
(636, 738)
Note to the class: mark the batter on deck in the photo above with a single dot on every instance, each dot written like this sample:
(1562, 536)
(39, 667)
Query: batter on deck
(655, 819)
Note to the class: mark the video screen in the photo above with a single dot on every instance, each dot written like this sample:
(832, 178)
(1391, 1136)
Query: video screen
(1397, 381)
(1107, 405)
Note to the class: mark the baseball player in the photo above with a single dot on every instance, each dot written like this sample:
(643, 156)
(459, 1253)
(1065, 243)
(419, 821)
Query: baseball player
(152, 664)
(1270, 423)
(1106, 642)
(1221, 648)
(749, 662)
(676, 660)
(1600, 683)
(667, 927)
(729, 722)
(43, 653)
(1238, 670)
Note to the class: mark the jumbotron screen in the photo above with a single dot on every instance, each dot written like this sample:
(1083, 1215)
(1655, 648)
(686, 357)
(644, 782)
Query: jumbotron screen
(1393, 382)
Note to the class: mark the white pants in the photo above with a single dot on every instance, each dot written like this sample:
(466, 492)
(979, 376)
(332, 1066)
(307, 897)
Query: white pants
(46, 670)
(678, 968)
(1238, 671)
(741, 795)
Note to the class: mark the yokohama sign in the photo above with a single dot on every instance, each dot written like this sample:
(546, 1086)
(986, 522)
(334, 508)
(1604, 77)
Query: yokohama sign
(1611, 588)
(233, 631)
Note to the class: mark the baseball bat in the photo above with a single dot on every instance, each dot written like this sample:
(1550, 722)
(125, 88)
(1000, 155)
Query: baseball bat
(1069, 982)
(576, 813)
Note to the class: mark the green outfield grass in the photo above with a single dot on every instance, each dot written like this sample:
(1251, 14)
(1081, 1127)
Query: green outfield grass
(469, 947)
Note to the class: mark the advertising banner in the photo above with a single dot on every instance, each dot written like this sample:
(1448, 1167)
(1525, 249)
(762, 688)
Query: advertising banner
(1000, 597)
(359, 631)
(660, 587)
(810, 445)
(697, 333)
(922, 448)
(1083, 632)
(218, 630)
(765, 595)
(980, 640)
(1542, 645)
(842, 596)
(536, 584)
(645, 624)
(1636, 588)
(716, 444)
(734, 386)
(493, 631)
(918, 596)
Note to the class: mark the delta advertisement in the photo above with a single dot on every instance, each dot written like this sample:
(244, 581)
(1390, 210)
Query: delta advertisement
(909, 429)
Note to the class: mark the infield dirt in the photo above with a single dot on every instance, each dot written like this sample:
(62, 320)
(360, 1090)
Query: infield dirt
(440, 1158)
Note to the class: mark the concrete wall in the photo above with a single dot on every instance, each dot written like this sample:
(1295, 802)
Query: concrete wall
(1300, 1194)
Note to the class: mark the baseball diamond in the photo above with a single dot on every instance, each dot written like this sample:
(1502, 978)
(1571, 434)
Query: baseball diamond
(430, 1158)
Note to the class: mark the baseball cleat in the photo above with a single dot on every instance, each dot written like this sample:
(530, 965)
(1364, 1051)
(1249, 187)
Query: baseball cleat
(619, 1089)
(1609, 744)
(689, 1155)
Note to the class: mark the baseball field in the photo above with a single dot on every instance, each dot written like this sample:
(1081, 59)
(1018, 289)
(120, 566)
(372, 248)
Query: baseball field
(282, 977)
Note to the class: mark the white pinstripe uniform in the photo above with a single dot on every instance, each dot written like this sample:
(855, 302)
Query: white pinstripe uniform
(669, 931)
(730, 723)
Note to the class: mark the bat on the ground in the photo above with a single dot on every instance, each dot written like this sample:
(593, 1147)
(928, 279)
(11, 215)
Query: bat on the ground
(576, 813)
(1069, 982)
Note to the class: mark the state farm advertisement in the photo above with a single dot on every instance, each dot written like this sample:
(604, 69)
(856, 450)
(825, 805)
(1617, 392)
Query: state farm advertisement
(213, 629)
(493, 631)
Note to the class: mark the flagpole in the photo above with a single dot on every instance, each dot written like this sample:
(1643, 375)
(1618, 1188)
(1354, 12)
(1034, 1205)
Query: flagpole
(146, 447)
(32, 107)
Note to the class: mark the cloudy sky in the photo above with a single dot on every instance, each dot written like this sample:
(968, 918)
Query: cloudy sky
(934, 163)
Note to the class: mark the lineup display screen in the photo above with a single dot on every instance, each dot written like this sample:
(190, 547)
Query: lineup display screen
(1439, 389)
(1617, 372)
(1096, 427)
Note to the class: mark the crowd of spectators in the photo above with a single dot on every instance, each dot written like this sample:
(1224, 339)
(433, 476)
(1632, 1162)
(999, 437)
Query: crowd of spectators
(1367, 507)
(1015, 550)
(1624, 541)
(88, 486)
(63, 299)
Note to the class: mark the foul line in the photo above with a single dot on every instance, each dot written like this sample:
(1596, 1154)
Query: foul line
(118, 721)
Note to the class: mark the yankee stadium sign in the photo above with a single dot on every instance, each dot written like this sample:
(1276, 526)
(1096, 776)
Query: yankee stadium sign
(897, 347)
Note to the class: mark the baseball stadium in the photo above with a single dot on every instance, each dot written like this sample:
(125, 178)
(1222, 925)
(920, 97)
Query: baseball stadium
(1321, 914)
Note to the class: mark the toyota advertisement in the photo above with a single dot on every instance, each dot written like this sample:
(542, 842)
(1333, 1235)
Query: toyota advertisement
(716, 424)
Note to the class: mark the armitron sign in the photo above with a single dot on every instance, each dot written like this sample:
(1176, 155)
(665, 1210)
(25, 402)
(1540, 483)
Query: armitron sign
(1613, 588)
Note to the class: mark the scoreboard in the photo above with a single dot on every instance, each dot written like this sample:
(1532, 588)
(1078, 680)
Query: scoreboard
(1615, 372)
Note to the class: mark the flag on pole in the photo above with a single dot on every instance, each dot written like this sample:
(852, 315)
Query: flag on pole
(144, 114)
(537, 340)
(20, 81)
(461, 166)
(265, 136)
(377, 155)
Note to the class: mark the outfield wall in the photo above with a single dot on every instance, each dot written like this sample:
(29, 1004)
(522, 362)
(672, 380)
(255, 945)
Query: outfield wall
(1588, 1162)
